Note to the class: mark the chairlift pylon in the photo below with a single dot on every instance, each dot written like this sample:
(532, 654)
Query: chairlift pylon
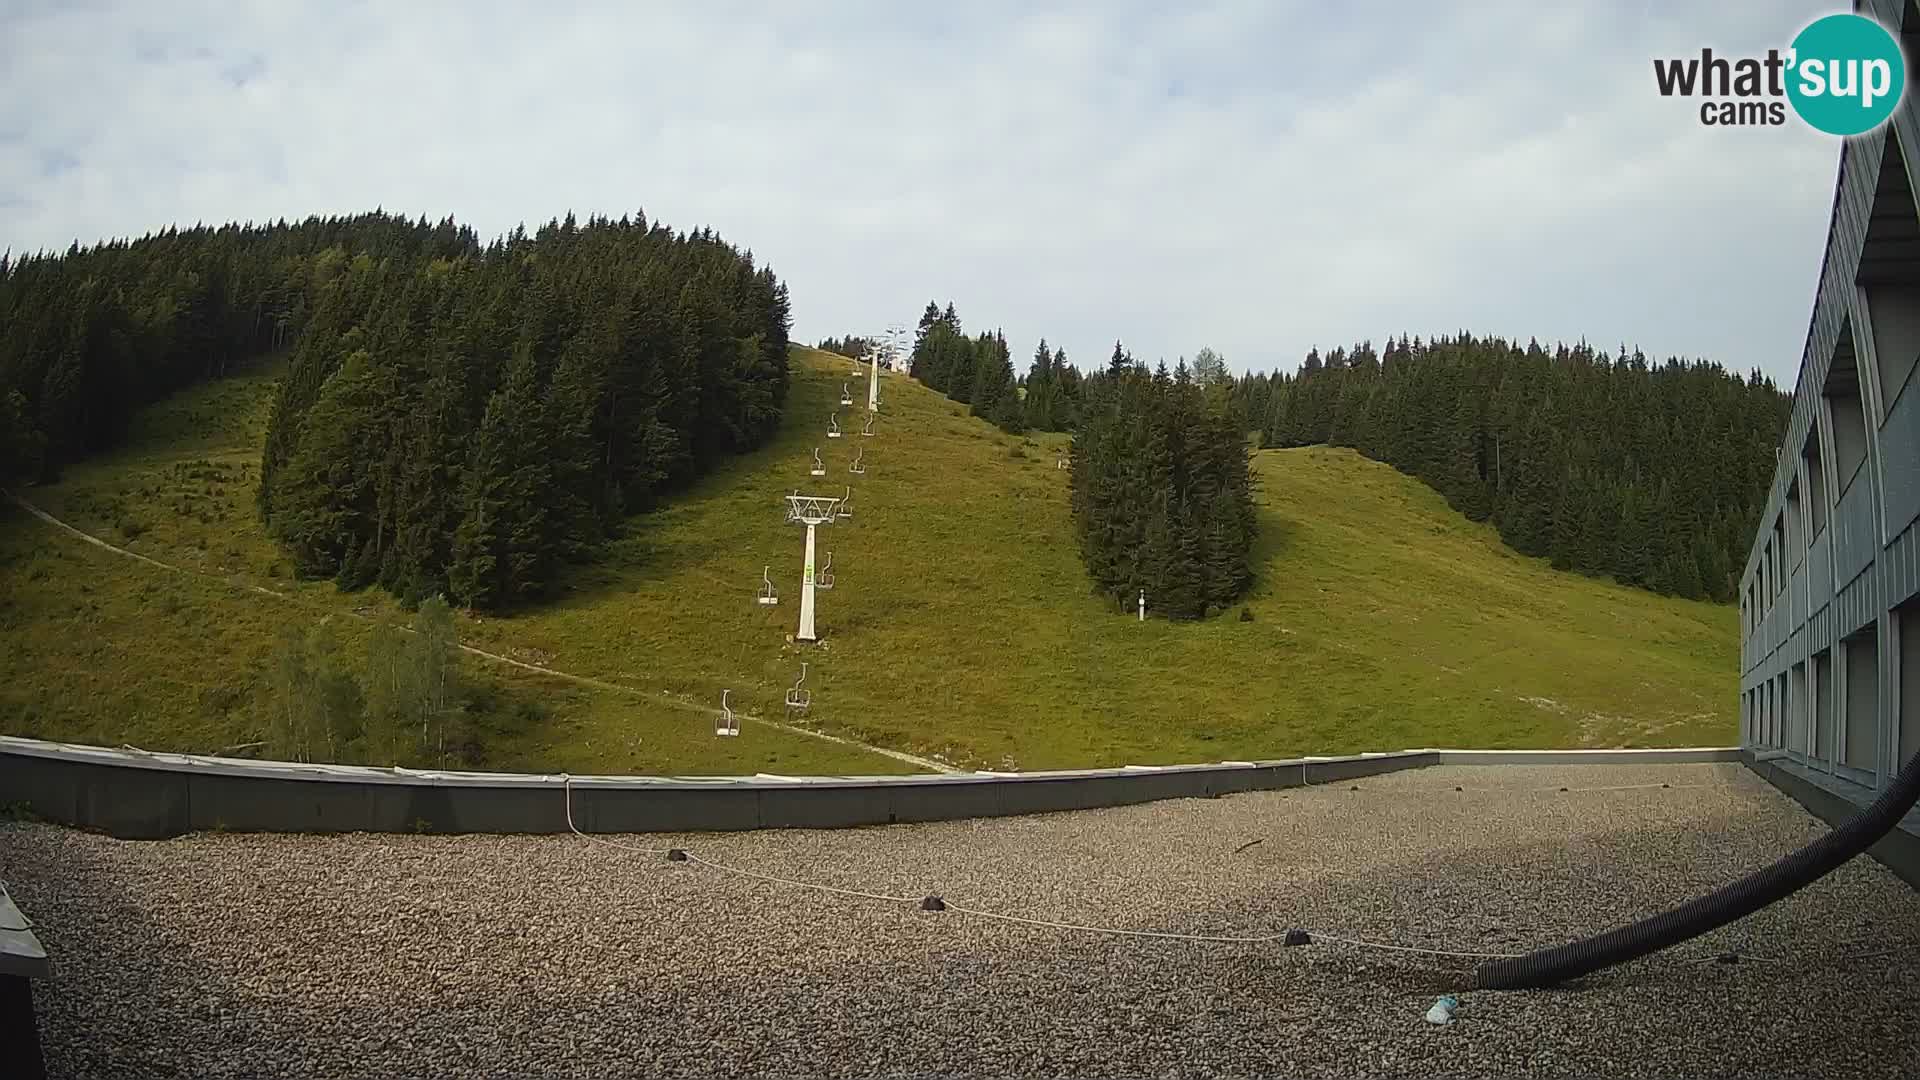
(768, 594)
(858, 468)
(823, 577)
(799, 699)
(819, 467)
(833, 426)
(727, 724)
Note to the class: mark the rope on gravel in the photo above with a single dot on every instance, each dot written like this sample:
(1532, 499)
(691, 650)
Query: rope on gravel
(566, 782)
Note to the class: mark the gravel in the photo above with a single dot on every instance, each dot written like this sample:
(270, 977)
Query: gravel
(230, 955)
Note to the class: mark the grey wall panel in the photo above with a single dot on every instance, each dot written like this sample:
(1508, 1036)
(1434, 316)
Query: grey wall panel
(1900, 458)
(1856, 538)
(1820, 571)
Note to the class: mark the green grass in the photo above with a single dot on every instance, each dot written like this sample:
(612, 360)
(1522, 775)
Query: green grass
(961, 624)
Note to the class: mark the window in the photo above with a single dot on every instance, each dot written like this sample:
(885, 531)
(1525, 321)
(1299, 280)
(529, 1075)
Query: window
(1779, 557)
(1907, 618)
(1793, 530)
(1842, 395)
(1798, 729)
(1890, 275)
(1823, 705)
(1860, 653)
(1816, 485)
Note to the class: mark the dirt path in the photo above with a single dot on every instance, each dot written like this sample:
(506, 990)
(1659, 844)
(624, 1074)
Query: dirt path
(584, 680)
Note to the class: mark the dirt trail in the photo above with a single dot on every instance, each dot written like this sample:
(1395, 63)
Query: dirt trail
(584, 680)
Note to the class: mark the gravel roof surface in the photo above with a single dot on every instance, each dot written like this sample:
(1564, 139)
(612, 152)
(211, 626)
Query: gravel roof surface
(226, 955)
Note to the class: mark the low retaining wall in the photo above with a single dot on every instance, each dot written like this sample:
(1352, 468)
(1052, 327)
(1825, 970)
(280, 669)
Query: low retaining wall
(139, 795)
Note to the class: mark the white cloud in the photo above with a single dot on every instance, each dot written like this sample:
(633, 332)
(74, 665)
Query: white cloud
(1255, 176)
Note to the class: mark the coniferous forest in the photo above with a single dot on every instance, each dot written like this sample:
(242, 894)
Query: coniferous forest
(1160, 474)
(978, 372)
(1654, 475)
(90, 335)
(469, 424)
(1162, 488)
(853, 347)
(455, 417)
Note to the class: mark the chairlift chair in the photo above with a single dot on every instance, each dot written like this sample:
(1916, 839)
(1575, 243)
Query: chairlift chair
(727, 724)
(868, 429)
(799, 699)
(833, 426)
(823, 577)
(857, 468)
(844, 509)
(819, 467)
(846, 396)
(768, 594)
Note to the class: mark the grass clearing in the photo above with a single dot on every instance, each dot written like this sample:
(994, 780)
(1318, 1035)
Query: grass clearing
(961, 624)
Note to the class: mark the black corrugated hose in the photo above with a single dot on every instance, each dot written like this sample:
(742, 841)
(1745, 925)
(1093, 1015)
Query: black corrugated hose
(1716, 909)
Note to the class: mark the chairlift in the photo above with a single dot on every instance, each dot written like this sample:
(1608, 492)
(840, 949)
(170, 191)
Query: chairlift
(1060, 462)
(846, 396)
(819, 467)
(799, 699)
(857, 468)
(833, 426)
(823, 577)
(727, 724)
(868, 430)
(843, 510)
(768, 594)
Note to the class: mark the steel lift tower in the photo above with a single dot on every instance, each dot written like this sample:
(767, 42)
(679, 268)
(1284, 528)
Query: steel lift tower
(811, 511)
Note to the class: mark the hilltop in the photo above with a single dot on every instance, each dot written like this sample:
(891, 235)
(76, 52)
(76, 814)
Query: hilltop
(962, 625)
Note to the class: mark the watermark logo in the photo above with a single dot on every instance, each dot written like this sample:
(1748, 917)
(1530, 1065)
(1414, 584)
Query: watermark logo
(1843, 74)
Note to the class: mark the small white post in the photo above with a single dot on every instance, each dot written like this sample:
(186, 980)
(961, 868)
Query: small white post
(806, 592)
(1143, 599)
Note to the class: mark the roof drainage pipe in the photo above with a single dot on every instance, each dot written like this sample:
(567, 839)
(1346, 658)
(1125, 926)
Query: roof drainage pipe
(1716, 909)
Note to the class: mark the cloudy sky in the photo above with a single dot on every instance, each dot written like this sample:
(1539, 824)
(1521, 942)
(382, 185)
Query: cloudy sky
(1258, 176)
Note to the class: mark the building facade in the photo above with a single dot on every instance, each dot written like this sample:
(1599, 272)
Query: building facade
(1830, 616)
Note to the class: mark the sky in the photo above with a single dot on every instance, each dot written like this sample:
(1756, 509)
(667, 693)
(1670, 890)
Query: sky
(1256, 176)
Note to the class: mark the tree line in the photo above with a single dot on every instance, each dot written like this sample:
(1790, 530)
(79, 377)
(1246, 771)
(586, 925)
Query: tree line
(978, 372)
(89, 335)
(1609, 465)
(853, 347)
(1159, 469)
(1162, 486)
(468, 424)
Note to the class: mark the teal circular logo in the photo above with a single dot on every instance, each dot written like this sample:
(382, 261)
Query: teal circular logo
(1846, 74)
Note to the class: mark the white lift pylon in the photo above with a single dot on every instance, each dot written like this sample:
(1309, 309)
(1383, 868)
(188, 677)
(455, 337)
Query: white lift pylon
(812, 511)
